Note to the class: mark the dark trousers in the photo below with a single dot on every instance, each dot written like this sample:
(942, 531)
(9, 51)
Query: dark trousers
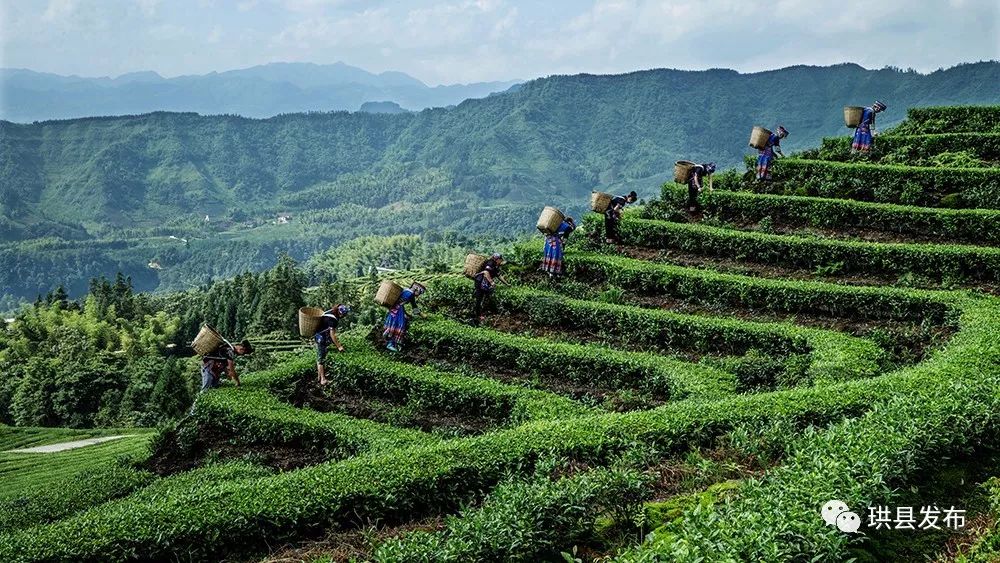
(479, 296)
(611, 227)
(692, 194)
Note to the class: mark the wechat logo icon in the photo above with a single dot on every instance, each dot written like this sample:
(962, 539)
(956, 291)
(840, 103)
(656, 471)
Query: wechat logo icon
(836, 513)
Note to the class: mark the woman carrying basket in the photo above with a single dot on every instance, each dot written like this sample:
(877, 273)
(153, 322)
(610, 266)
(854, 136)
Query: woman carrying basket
(613, 215)
(397, 320)
(770, 151)
(326, 336)
(552, 260)
(695, 177)
(863, 136)
(484, 284)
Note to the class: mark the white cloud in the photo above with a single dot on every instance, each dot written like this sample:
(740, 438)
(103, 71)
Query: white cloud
(148, 7)
(446, 41)
(58, 10)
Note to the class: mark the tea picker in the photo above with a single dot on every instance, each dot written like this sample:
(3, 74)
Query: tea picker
(695, 183)
(484, 283)
(769, 145)
(391, 295)
(613, 215)
(325, 325)
(863, 134)
(552, 257)
(218, 356)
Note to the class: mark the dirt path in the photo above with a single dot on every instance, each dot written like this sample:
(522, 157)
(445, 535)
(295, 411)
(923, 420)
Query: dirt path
(63, 446)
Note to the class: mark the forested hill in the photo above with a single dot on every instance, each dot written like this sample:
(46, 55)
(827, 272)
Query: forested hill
(484, 165)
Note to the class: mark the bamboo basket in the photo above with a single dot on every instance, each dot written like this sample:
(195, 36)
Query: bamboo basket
(549, 220)
(682, 171)
(309, 321)
(852, 115)
(473, 265)
(207, 341)
(599, 201)
(388, 293)
(759, 137)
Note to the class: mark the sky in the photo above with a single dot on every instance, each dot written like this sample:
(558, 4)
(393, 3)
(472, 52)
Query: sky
(461, 41)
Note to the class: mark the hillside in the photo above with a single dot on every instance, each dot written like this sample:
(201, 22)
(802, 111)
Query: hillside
(90, 196)
(698, 392)
(260, 91)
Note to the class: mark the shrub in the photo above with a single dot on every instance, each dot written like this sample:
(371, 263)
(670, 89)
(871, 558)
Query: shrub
(858, 461)
(525, 521)
(912, 185)
(918, 150)
(746, 292)
(207, 521)
(950, 119)
(967, 226)
(835, 356)
(663, 376)
(936, 262)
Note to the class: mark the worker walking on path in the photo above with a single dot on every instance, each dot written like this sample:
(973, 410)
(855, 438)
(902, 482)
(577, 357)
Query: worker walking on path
(613, 215)
(484, 284)
(771, 150)
(327, 335)
(864, 134)
(552, 259)
(397, 321)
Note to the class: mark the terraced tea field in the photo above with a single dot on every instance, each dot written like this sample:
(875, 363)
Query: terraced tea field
(695, 394)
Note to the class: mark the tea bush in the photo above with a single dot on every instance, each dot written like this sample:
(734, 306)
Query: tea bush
(207, 521)
(934, 261)
(967, 226)
(662, 376)
(910, 185)
(950, 119)
(524, 521)
(917, 150)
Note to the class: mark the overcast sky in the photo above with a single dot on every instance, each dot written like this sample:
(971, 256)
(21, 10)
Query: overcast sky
(449, 41)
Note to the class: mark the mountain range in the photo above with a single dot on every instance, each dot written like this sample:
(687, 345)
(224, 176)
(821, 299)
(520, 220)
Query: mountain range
(86, 197)
(259, 91)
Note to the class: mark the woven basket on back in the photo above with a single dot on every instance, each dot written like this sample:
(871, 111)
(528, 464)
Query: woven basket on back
(207, 341)
(309, 320)
(388, 293)
(759, 137)
(852, 115)
(549, 220)
(682, 171)
(473, 265)
(599, 201)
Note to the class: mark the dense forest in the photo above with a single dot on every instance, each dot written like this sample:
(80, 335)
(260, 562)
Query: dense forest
(118, 358)
(175, 200)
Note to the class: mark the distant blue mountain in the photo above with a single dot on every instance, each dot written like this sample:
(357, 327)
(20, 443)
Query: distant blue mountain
(259, 91)
(381, 107)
